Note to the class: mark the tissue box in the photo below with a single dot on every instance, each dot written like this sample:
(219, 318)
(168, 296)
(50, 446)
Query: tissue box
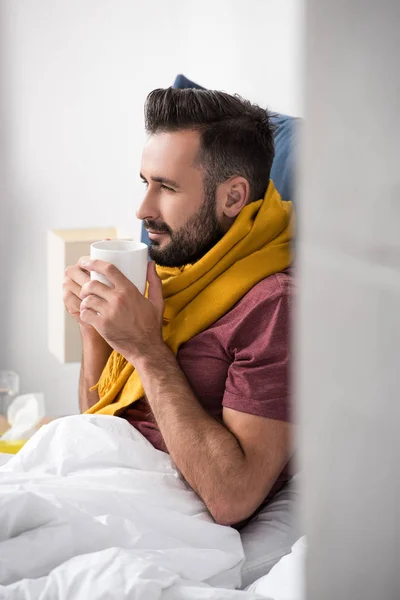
(11, 447)
(24, 414)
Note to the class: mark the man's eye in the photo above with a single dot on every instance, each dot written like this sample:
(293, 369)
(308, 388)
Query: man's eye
(165, 187)
(145, 183)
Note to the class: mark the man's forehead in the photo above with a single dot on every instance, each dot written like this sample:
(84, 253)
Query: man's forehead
(170, 149)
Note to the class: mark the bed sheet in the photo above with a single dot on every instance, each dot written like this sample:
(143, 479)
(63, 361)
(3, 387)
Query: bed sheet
(88, 508)
(4, 458)
(286, 580)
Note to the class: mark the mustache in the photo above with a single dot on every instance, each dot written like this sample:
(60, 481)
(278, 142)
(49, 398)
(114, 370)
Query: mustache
(156, 227)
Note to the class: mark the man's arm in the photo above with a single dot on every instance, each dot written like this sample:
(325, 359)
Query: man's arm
(232, 466)
(95, 353)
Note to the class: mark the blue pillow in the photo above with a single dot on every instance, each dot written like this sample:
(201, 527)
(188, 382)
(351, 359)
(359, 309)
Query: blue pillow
(285, 136)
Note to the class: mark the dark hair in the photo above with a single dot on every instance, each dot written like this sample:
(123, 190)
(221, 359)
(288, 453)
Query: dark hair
(236, 136)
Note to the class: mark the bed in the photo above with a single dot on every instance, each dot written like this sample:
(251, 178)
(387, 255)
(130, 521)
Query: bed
(103, 514)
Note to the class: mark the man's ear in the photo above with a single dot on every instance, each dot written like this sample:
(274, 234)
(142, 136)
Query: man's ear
(234, 195)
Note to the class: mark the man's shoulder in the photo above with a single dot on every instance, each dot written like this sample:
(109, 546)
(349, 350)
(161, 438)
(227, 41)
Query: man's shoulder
(269, 299)
(269, 289)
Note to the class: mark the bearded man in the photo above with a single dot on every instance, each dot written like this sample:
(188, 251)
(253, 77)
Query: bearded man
(200, 366)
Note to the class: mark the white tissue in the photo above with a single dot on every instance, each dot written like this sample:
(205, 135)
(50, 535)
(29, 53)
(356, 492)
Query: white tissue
(23, 414)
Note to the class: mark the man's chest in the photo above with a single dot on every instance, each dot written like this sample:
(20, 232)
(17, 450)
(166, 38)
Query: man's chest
(205, 361)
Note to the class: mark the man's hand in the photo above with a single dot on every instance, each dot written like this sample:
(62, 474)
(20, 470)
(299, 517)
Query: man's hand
(95, 350)
(129, 322)
(75, 277)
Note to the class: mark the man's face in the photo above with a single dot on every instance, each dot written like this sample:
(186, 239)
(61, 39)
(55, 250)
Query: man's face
(178, 211)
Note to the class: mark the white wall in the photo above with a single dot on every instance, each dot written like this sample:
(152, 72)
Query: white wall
(73, 79)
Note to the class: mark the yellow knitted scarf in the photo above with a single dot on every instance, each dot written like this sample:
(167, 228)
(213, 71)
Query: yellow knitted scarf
(257, 245)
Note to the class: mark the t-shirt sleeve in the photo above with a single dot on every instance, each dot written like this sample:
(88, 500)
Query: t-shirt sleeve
(258, 377)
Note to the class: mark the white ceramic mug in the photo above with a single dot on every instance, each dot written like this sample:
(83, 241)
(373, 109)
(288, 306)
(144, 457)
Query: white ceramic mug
(128, 256)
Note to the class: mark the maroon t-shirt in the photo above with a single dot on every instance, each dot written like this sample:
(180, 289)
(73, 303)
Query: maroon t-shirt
(240, 362)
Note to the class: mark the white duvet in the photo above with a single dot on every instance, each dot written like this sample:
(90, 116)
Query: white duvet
(89, 509)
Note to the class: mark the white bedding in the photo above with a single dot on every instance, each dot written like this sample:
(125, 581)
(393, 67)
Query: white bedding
(286, 580)
(89, 509)
(4, 458)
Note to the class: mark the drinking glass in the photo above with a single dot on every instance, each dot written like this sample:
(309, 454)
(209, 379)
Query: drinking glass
(9, 388)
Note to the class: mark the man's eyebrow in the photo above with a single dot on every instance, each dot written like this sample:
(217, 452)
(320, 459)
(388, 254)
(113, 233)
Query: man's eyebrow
(161, 180)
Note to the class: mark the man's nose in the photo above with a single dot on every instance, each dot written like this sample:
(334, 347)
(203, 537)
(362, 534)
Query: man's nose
(148, 208)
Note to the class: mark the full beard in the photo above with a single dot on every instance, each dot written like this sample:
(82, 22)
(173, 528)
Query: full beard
(192, 241)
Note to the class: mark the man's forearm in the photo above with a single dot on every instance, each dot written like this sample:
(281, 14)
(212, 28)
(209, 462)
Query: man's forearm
(95, 353)
(205, 451)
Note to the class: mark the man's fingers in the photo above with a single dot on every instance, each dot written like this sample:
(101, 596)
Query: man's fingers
(155, 288)
(70, 287)
(97, 288)
(90, 317)
(83, 260)
(77, 274)
(93, 302)
(110, 271)
(73, 303)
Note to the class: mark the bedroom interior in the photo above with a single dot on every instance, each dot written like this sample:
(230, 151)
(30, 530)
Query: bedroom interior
(74, 77)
